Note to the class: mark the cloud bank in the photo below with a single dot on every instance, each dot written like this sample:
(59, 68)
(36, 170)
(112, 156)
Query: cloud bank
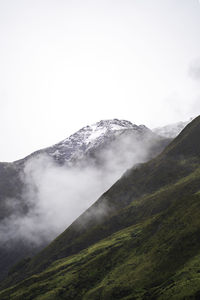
(56, 195)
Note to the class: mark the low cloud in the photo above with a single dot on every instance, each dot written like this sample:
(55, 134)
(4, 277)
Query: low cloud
(56, 195)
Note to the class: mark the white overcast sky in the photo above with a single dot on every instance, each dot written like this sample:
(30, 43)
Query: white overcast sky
(65, 64)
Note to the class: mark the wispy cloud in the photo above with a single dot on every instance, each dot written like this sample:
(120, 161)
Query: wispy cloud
(57, 195)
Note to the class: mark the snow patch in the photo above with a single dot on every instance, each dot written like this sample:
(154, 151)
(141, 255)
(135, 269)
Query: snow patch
(95, 134)
(90, 136)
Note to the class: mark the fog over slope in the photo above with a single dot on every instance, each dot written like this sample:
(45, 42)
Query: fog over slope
(57, 192)
(171, 130)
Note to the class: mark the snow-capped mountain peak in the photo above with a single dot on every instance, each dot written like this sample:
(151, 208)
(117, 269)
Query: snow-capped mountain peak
(91, 136)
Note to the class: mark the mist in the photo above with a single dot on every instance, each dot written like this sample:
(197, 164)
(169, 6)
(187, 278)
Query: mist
(194, 69)
(57, 194)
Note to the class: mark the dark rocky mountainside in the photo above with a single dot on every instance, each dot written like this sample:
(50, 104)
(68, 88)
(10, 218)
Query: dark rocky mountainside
(139, 240)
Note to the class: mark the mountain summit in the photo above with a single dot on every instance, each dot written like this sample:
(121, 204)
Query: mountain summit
(91, 137)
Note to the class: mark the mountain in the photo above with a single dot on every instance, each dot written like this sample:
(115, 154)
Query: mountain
(171, 130)
(89, 139)
(139, 240)
(34, 190)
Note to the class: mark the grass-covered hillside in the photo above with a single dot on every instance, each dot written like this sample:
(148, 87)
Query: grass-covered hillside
(140, 240)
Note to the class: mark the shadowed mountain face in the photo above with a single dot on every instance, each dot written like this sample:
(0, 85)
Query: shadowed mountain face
(139, 240)
(45, 192)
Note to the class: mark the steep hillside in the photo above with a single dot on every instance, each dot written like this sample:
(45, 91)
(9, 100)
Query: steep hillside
(91, 147)
(140, 240)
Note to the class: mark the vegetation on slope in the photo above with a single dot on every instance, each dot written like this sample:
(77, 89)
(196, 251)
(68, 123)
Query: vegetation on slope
(142, 261)
(144, 245)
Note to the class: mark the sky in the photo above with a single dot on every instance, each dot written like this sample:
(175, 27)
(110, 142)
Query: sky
(67, 64)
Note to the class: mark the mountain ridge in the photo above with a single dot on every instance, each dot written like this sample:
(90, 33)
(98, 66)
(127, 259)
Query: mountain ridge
(89, 136)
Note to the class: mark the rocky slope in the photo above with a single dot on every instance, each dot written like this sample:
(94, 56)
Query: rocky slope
(92, 138)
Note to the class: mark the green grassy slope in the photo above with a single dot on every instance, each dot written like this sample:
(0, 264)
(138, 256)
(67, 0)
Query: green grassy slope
(147, 259)
(140, 240)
